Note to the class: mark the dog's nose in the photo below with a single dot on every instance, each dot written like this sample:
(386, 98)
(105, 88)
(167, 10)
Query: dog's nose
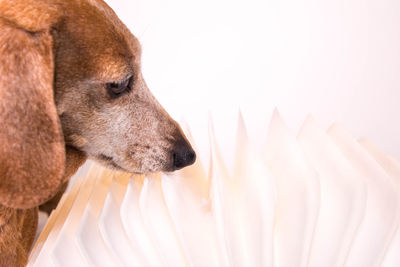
(183, 155)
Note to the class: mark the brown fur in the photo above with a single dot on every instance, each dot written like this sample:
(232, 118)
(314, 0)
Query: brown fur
(17, 235)
(56, 59)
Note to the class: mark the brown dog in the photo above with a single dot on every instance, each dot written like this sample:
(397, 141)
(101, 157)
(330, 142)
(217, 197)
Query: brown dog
(71, 88)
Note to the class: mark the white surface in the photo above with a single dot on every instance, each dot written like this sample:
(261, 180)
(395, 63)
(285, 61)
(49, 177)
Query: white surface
(339, 60)
(298, 191)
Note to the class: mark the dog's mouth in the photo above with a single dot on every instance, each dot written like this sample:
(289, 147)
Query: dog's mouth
(109, 161)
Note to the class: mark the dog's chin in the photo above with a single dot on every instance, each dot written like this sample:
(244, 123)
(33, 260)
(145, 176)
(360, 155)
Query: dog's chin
(111, 164)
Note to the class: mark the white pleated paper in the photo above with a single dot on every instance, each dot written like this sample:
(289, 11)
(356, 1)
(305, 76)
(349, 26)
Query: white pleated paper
(318, 199)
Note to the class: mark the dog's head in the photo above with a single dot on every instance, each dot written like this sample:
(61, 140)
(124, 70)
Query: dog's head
(70, 75)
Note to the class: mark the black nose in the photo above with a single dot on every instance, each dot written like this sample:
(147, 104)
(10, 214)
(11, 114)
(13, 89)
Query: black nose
(183, 155)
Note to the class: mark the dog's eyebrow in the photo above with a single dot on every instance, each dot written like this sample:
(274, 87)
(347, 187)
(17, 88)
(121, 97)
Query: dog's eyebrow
(114, 68)
(137, 47)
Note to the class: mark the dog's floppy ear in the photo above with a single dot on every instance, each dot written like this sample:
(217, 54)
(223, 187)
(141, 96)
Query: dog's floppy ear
(32, 150)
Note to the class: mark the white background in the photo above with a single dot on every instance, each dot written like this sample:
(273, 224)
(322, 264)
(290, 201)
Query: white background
(339, 60)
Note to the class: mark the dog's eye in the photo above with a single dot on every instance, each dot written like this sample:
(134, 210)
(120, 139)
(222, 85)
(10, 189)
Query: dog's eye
(117, 89)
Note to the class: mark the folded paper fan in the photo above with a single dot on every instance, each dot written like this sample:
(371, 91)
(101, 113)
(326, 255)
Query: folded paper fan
(317, 199)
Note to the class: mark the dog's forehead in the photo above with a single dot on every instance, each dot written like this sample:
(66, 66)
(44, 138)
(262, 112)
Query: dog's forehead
(108, 44)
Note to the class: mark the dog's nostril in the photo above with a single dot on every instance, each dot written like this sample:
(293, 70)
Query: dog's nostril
(183, 155)
(191, 157)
